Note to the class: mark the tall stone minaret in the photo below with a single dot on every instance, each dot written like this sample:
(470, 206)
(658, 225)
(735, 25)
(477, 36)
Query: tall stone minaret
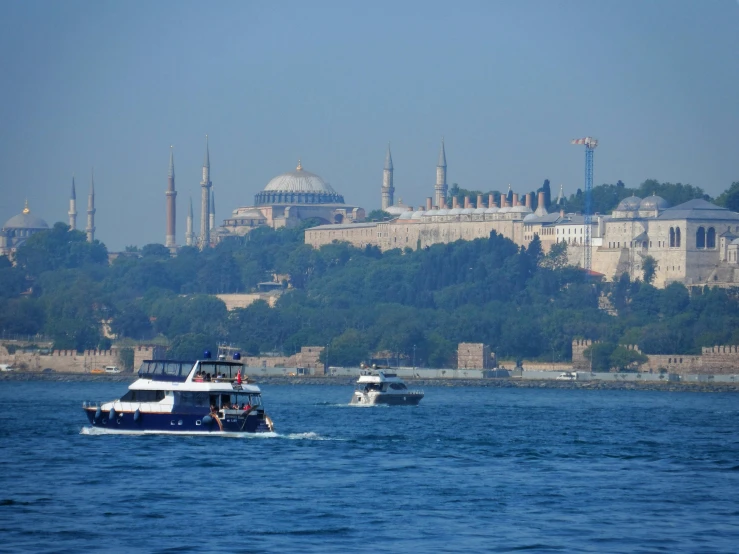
(212, 212)
(169, 240)
(387, 181)
(91, 210)
(441, 186)
(189, 234)
(561, 195)
(73, 208)
(205, 185)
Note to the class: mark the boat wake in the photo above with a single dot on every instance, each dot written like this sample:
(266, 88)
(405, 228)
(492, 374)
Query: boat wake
(101, 431)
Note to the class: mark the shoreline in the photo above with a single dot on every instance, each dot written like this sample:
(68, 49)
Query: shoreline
(670, 386)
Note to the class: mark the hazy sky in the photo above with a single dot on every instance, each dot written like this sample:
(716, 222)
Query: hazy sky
(111, 85)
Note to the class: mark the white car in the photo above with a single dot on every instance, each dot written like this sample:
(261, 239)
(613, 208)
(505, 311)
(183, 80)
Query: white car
(112, 369)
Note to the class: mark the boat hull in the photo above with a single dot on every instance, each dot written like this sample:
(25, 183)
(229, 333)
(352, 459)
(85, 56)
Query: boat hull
(185, 423)
(409, 399)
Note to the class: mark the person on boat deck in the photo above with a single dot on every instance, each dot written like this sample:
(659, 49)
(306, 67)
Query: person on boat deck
(207, 376)
(247, 407)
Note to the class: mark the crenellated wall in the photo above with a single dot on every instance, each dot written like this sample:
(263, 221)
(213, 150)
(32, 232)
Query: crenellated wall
(70, 361)
(714, 360)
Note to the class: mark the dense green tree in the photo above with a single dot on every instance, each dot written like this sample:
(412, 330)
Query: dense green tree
(649, 268)
(730, 197)
(378, 215)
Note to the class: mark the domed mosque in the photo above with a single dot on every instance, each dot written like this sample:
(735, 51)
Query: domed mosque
(287, 200)
(18, 228)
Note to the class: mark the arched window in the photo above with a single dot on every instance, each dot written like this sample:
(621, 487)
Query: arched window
(672, 237)
(711, 238)
(700, 238)
(677, 237)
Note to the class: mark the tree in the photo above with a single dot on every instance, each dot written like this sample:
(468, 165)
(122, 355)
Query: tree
(556, 258)
(625, 359)
(649, 268)
(546, 189)
(730, 197)
(378, 215)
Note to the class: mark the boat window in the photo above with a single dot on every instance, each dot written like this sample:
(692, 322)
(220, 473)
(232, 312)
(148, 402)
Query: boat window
(398, 386)
(198, 399)
(143, 396)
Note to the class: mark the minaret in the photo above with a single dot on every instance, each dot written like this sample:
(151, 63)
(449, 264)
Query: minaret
(561, 195)
(212, 213)
(441, 186)
(205, 185)
(91, 210)
(189, 235)
(387, 181)
(73, 208)
(171, 194)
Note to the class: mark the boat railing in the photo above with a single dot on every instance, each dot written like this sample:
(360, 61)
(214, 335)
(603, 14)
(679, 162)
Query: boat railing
(92, 404)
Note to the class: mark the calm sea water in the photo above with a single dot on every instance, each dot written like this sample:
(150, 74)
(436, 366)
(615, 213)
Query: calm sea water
(470, 469)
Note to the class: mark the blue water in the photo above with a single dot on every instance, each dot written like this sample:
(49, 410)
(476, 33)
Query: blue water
(470, 469)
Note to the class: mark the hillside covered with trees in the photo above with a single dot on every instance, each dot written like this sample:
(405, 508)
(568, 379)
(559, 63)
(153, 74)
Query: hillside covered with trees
(413, 304)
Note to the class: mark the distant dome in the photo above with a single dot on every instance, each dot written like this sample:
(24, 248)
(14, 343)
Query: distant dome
(25, 220)
(431, 212)
(406, 215)
(467, 211)
(479, 211)
(520, 210)
(492, 210)
(629, 204)
(530, 217)
(417, 215)
(455, 211)
(299, 181)
(443, 211)
(504, 210)
(654, 202)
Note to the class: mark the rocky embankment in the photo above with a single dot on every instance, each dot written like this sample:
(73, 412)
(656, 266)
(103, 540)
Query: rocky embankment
(413, 383)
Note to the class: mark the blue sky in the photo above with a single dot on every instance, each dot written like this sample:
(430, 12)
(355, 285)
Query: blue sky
(111, 84)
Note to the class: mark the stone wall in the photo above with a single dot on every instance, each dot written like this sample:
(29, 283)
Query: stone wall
(714, 360)
(70, 361)
(307, 357)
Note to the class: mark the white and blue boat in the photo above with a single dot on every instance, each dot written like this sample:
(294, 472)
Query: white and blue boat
(208, 397)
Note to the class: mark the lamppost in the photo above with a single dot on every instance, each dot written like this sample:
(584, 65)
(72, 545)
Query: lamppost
(414, 356)
(326, 357)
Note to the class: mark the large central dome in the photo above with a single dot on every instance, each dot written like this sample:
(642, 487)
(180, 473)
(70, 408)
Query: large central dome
(299, 181)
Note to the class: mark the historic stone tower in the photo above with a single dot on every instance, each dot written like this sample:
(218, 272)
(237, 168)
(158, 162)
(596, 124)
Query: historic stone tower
(73, 208)
(91, 210)
(189, 234)
(171, 205)
(205, 185)
(388, 190)
(441, 186)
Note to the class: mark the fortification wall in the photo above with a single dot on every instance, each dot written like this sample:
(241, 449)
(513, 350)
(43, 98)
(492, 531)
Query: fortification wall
(474, 355)
(70, 361)
(714, 360)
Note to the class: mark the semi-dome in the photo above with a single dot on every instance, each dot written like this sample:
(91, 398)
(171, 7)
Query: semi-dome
(654, 202)
(629, 204)
(299, 181)
(25, 220)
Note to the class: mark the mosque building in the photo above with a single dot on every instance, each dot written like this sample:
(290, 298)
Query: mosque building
(18, 228)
